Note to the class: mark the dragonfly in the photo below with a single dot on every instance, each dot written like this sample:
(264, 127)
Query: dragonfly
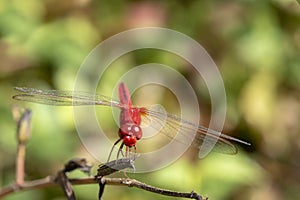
(130, 131)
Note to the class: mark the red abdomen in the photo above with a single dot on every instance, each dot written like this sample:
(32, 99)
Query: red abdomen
(128, 114)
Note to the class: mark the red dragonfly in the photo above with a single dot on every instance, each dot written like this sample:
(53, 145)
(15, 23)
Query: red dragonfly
(130, 130)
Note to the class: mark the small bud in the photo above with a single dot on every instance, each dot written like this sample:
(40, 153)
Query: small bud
(24, 127)
(17, 112)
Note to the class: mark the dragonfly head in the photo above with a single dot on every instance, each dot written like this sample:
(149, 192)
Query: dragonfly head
(129, 141)
(130, 133)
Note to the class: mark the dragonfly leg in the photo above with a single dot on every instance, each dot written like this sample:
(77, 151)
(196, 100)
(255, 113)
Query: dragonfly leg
(120, 151)
(135, 155)
(113, 149)
(132, 155)
(127, 152)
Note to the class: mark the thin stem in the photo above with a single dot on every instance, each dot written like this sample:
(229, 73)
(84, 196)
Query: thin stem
(20, 163)
(23, 135)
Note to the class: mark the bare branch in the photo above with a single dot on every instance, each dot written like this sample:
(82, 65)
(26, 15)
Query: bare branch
(134, 183)
(50, 182)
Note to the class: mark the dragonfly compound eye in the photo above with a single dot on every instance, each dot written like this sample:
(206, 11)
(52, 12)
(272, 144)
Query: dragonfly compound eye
(130, 130)
(137, 131)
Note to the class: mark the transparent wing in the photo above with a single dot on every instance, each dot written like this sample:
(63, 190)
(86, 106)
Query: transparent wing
(169, 125)
(189, 131)
(63, 98)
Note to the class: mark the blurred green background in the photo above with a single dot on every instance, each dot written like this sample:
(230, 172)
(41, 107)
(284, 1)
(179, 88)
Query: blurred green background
(255, 44)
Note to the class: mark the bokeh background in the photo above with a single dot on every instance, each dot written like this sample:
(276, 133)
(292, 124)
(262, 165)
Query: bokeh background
(255, 44)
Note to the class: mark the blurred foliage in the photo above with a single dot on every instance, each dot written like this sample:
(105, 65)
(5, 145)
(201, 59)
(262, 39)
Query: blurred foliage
(255, 44)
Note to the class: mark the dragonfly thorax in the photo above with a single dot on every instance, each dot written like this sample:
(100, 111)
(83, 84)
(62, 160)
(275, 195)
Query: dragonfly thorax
(135, 115)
